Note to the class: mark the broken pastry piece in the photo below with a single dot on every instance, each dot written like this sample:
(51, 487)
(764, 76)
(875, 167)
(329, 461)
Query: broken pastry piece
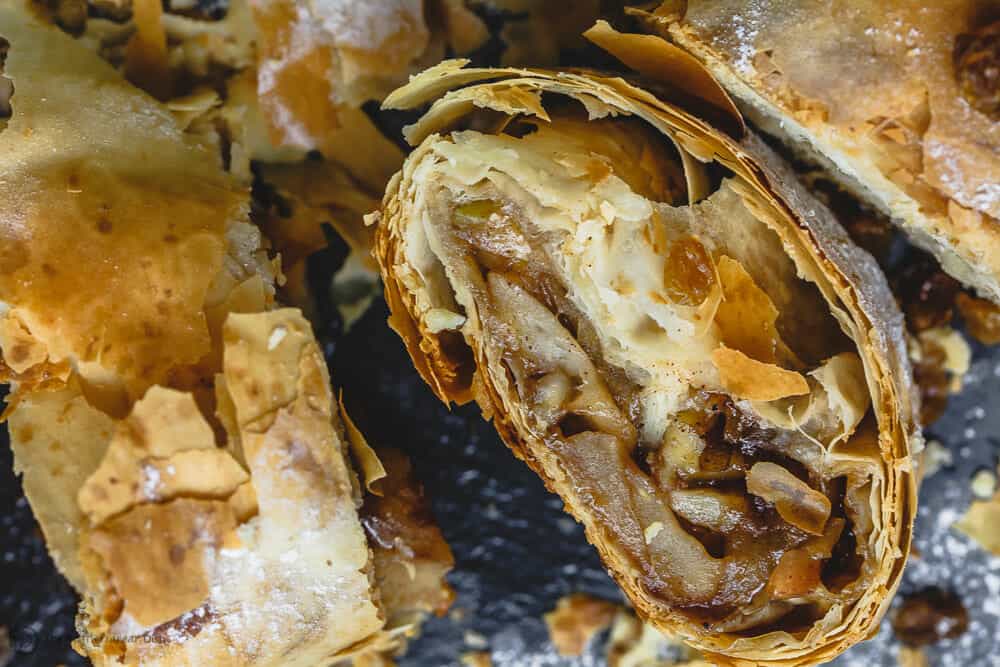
(575, 621)
(634, 643)
(271, 81)
(669, 330)
(578, 618)
(410, 555)
(897, 100)
(246, 553)
(361, 50)
(176, 434)
(311, 64)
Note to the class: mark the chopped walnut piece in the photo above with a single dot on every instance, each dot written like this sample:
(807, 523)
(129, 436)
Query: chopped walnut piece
(977, 68)
(933, 458)
(796, 502)
(941, 358)
(982, 318)
(957, 353)
(575, 621)
(984, 484)
(929, 616)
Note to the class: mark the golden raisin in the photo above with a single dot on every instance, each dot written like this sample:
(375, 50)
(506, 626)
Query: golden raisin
(689, 274)
(982, 318)
(479, 209)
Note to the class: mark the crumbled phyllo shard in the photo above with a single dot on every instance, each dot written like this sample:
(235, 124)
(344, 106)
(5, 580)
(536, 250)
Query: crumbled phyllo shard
(176, 432)
(669, 330)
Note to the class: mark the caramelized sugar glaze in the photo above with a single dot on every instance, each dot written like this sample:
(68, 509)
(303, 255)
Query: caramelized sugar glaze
(730, 517)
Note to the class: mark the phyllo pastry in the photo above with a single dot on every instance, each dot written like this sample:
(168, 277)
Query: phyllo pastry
(176, 432)
(673, 334)
(898, 100)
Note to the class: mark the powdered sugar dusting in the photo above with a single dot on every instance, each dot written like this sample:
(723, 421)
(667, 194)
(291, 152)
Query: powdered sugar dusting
(150, 482)
(984, 196)
(746, 29)
(742, 30)
(291, 580)
(366, 25)
(306, 36)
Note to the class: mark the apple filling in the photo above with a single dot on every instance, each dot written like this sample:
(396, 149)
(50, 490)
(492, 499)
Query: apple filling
(695, 393)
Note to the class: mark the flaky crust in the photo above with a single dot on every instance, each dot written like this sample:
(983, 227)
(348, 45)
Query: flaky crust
(847, 277)
(292, 584)
(873, 92)
(177, 436)
(96, 282)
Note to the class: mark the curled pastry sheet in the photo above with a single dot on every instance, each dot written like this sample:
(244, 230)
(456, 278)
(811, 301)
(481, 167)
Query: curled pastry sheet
(673, 334)
(898, 100)
(177, 436)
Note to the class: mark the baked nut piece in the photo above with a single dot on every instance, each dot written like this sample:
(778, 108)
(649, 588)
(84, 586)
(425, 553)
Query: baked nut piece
(176, 432)
(667, 328)
(898, 100)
